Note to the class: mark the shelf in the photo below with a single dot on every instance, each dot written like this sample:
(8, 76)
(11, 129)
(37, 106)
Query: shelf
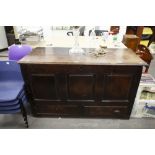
(144, 101)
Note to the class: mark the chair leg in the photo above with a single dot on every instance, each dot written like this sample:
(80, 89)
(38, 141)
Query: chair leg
(24, 113)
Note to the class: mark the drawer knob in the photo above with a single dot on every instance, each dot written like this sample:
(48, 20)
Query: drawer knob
(116, 111)
(81, 68)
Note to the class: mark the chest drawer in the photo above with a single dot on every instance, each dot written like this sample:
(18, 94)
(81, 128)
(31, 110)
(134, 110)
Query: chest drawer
(58, 110)
(106, 111)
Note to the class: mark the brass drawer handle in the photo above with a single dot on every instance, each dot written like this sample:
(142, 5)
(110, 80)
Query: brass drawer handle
(116, 111)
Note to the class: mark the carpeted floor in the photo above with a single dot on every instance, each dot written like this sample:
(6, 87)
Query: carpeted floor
(16, 122)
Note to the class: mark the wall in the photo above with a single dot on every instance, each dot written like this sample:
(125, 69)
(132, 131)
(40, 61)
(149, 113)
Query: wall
(3, 39)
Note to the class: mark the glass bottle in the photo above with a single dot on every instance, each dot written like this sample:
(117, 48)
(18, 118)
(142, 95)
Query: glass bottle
(93, 34)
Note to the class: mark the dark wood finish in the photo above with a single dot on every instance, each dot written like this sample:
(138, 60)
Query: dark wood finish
(81, 87)
(121, 83)
(135, 30)
(43, 83)
(58, 85)
(131, 41)
(106, 111)
(58, 110)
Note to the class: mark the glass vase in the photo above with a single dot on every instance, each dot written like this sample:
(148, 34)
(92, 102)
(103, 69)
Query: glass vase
(76, 48)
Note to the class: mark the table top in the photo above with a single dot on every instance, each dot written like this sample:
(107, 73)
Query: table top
(68, 41)
(54, 55)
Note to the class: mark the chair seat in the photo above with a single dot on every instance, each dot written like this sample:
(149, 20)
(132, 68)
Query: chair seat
(10, 111)
(11, 103)
(12, 107)
(21, 96)
(10, 91)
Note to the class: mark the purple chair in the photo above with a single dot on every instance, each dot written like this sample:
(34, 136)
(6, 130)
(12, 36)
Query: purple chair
(12, 94)
(17, 51)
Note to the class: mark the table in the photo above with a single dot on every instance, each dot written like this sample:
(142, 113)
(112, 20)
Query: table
(64, 85)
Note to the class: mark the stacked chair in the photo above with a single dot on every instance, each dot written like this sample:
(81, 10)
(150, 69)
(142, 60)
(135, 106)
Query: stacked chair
(12, 94)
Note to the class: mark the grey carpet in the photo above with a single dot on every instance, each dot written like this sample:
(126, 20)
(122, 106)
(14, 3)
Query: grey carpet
(16, 122)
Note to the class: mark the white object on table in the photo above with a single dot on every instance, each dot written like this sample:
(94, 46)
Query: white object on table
(84, 42)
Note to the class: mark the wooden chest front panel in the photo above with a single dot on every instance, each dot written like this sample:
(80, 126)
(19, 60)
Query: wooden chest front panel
(81, 90)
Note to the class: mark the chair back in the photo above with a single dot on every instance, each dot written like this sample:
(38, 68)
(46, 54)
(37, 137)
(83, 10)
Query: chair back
(70, 33)
(10, 71)
(144, 53)
(81, 31)
(98, 32)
